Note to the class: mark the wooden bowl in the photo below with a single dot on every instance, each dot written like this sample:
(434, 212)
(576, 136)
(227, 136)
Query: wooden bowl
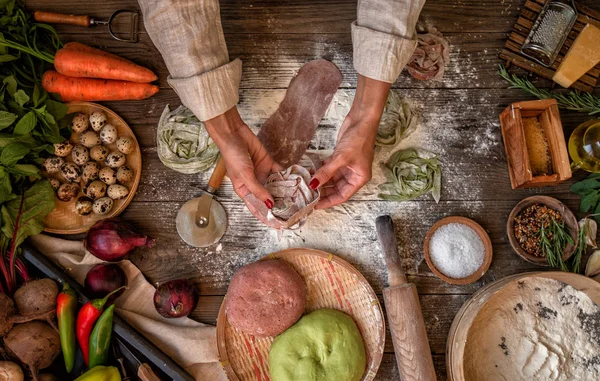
(331, 282)
(487, 260)
(550, 202)
(64, 219)
(458, 334)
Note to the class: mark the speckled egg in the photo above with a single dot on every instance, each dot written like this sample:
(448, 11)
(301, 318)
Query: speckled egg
(63, 149)
(117, 192)
(89, 139)
(95, 190)
(52, 164)
(99, 152)
(108, 175)
(108, 135)
(70, 172)
(67, 192)
(103, 205)
(80, 122)
(98, 120)
(125, 144)
(90, 171)
(55, 183)
(125, 174)
(84, 206)
(80, 155)
(115, 159)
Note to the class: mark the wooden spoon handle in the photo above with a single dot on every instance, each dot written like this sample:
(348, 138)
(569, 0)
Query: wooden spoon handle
(60, 18)
(145, 373)
(217, 176)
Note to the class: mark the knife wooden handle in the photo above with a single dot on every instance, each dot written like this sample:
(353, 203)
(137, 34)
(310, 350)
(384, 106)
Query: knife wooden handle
(409, 336)
(60, 18)
(145, 373)
(217, 176)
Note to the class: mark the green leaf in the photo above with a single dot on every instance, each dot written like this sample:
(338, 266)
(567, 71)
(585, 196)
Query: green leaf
(26, 124)
(6, 191)
(21, 97)
(585, 186)
(7, 58)
(11, 85)
(6, 119)
(25, 215)
(588, 202)
(26, 170)
(6, 139)
(36, 95)
(13, 153)
(57, 109)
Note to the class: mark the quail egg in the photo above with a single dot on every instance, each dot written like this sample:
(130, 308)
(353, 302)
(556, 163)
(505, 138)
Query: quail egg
(115, 159)
(125, 144)
(80, 155)
(108, 175)
(108, 135)
(90, 171)
(103, 205)
(89, 139)
(95, 190)
(70, 172)
(52, 164)
(80, 122)
(84, 206)
(67, 192)
(98, 120)
(99, 152)
(63, 149)
(124, 174)
(55, 183)
(117, 192)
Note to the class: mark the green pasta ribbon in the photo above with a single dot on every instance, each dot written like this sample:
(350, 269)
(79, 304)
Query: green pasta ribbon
(183, 142)
(398, 120)
(411, 173)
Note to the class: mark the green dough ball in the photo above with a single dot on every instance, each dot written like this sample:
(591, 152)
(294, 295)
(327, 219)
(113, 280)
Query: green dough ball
(324, 345)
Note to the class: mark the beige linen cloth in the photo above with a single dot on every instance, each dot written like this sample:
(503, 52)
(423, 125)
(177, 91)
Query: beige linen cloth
(189, 343)
(189, 36)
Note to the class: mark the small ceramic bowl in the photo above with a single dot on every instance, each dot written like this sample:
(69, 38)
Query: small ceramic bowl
(550, 202)
(487, 260)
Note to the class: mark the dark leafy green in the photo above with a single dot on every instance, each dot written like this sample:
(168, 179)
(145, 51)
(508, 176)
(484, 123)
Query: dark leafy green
(589, 190)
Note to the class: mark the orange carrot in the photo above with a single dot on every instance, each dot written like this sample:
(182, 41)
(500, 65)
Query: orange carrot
(78, 60)
(91, 89)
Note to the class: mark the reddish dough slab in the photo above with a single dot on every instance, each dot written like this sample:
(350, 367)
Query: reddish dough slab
(265, 298)
(288, 132)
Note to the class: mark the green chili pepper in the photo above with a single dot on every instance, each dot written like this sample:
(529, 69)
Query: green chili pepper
(66, 310)
(100, 338)
(101, 373)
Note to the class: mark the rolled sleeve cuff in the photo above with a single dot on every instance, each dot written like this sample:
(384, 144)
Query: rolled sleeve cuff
(212, 93)
(379, 55)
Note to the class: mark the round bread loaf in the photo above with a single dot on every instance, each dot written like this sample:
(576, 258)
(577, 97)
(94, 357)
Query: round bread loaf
(324, 345)
(265, 298)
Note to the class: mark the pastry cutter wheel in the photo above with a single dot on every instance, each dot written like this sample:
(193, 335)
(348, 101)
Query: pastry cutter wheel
(202, 221)
(83, 20)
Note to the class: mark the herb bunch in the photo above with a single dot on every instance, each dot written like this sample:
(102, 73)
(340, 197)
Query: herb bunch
(573, 100)
(554, 238)
(589, 190)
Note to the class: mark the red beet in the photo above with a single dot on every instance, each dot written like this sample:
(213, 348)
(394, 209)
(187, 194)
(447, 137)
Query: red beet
(176, 298)
(113, 239)
(103, 279)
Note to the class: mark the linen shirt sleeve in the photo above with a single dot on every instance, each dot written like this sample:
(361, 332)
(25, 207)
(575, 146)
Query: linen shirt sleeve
(189, 36)
(383, 37)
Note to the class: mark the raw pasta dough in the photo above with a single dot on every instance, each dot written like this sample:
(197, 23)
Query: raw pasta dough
(430, 57)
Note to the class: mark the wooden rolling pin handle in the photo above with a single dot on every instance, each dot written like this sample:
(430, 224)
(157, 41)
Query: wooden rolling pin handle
(145, 373)
(389, 246)
(413, 354)
(217, 176)
(60, 18)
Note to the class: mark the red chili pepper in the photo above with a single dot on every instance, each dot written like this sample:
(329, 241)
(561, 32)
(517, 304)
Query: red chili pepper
(88, 314)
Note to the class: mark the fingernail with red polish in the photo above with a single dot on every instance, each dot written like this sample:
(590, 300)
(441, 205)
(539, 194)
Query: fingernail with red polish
(314, 184)
(269, 204)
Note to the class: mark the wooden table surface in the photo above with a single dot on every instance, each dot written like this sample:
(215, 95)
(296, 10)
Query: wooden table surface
(460, 123)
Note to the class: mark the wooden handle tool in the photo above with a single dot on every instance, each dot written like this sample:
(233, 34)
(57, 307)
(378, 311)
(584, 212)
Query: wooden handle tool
(217, 176)
(405, 318)
(145, 373)
(60, 18)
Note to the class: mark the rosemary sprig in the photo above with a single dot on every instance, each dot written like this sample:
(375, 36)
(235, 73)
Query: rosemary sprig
(573, 100)
(580, 248)
(554, 237)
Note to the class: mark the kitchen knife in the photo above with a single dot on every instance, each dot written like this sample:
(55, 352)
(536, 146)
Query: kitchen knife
(144, 372)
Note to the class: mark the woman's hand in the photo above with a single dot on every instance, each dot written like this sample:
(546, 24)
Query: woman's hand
(349, 167)
(248, 163)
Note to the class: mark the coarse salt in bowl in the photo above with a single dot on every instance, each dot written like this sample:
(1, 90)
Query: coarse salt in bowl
(458, 250)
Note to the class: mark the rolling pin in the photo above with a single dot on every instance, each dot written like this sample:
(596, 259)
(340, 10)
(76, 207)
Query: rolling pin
(405, 318)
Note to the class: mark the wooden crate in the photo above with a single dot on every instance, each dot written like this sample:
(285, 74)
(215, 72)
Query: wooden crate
(519, 167)
(512, 49)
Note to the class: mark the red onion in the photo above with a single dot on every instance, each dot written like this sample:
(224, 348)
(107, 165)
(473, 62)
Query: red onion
(103, 279)
(113, 239)
(176, 298)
